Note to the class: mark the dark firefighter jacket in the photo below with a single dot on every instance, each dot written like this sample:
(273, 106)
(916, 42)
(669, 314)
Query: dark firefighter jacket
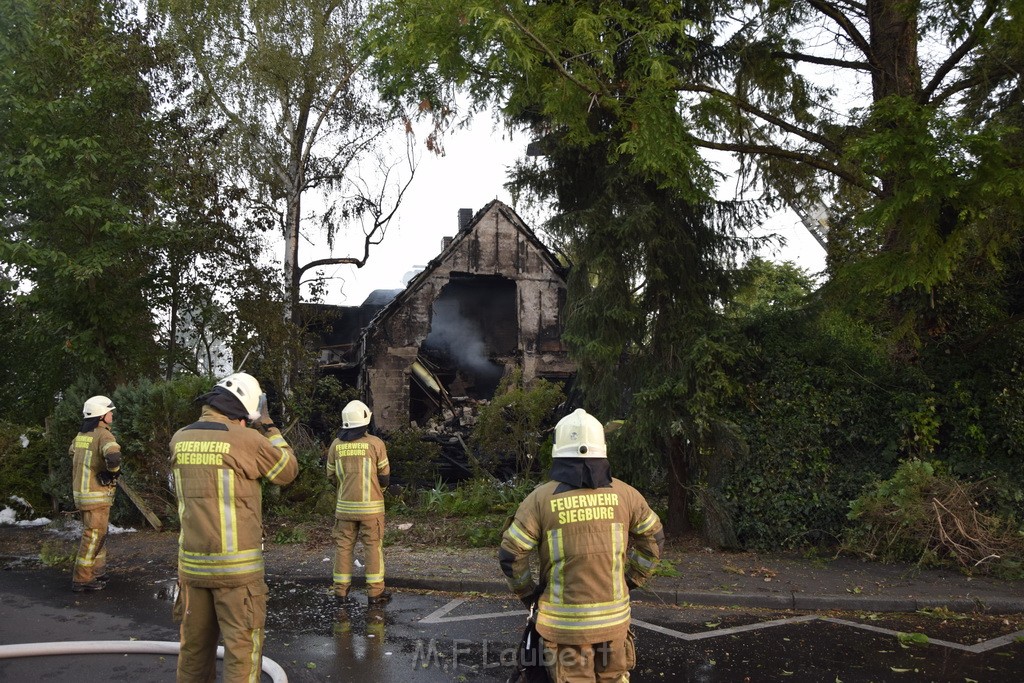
(217, 466)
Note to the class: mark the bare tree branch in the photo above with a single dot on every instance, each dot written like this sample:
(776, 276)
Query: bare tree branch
(781, 153)
(381, 221)
(746, 106)
(825, 61)
(836, 15)
(970, 42)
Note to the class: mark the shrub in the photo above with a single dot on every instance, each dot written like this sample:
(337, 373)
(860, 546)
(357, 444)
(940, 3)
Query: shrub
(817, 416)
(311, 493)
(480, 496)
(516, 422)
(148, 414)
(924, 515)
(22, 466)
(414, 459)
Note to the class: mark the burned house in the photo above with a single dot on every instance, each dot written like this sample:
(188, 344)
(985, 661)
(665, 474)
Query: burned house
(490, 301)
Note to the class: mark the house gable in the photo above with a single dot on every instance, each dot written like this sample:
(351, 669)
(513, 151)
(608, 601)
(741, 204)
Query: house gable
(491, 299)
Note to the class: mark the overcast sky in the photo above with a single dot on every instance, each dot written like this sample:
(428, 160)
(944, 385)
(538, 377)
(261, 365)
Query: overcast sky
(471, 174)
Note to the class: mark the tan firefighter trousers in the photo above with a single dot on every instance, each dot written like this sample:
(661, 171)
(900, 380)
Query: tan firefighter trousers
(92, 553)
(371, 533)
(239, 614)
(608, 662)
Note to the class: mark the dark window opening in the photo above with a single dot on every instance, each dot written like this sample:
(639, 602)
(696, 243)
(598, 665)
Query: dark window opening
(473, 323)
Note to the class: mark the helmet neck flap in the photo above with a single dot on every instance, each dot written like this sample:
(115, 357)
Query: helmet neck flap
(581, 473)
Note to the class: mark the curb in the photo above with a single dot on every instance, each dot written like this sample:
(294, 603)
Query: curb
(794, 601)
(780, 601)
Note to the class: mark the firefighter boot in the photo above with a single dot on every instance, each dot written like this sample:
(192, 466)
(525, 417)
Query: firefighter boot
(89, 587)
(379, 600)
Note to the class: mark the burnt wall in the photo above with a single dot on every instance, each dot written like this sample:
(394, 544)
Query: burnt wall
(496, 275)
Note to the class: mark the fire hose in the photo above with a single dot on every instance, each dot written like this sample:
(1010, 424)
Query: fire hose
(100, 647)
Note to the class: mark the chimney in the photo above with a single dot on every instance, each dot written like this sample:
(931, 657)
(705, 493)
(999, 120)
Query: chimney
(446, 242)
(465, 216)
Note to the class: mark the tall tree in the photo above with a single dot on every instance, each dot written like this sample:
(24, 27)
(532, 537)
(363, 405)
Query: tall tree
(651, 250)
(879, 109)
(75, 145)
(909, 164)
(650, 269)
(288, 78)
(209, 256)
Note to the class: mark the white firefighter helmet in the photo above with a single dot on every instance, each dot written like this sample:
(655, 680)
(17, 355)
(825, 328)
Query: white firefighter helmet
(355, 414)
(579, 435)
(245, 387)
(97, 406)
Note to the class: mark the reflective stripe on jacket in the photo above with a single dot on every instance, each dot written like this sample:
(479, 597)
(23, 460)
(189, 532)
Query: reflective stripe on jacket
(582, 536)
(355, 466)
(217, 466)
(91, 453)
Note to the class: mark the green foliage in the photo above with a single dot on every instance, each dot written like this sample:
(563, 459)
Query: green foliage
(148, 413)
(923, 514)
(311, 494)
(642, 322)
(106, 200)
(414, 460)
(319, 404)
(472, 514)
(290, 536)
(58, 554)
(923, 188)
(908, 639)
(76, 149)
(22, 466)
(764, 288)
(485, 533)
(517, 420)
(936, 221)
(816, 413)
(476, 497)
(272, 66)
(667, 568)
(508, 56)
(906, 494)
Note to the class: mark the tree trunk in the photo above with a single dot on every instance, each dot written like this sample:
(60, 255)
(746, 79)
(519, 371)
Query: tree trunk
(172, 342)
(678, 522)
(893, 26)
(291, 256)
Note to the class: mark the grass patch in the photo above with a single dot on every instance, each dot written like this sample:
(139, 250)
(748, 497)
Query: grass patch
(667, 568)
(58, 554)
(290, 535)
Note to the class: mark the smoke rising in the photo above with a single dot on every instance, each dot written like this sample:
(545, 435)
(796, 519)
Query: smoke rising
(461, 339)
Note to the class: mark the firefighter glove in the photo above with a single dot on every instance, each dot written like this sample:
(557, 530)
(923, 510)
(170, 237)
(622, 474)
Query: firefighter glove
(531, 600)
(263, 422)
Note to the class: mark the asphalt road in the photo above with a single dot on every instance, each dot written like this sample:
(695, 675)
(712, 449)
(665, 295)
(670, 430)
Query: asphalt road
(444, 637)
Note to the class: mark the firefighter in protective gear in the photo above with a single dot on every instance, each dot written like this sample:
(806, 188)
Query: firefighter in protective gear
(217, 464)
(358, 463)
(597, 538)
(96, 466)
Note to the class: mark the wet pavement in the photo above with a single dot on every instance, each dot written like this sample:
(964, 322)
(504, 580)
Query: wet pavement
(434, 636)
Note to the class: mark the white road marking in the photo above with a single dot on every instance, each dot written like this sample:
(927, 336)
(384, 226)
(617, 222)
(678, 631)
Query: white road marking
(703, 635)
(440, 616)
